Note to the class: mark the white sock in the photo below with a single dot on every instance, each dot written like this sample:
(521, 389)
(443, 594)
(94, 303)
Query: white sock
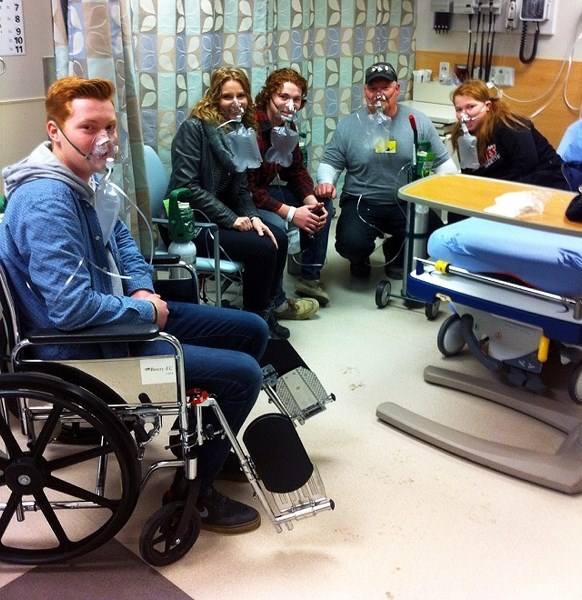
(281, 307)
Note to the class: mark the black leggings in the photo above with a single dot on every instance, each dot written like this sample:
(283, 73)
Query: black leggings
(263, 262)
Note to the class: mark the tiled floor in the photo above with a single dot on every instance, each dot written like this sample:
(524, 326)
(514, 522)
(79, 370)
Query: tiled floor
(411, 521)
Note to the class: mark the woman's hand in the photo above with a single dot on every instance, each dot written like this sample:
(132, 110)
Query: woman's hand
(243, 224)
(262, 230)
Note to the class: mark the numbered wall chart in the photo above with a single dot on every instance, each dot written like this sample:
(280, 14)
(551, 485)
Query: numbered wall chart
(11, 28)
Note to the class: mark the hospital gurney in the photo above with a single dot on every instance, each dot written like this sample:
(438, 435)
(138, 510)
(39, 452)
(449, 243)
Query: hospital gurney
(510, 328)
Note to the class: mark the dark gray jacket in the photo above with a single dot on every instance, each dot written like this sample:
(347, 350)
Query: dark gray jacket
(200, 159)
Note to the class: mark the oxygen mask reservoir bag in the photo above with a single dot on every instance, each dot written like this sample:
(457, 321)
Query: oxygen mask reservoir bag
(468, 157)
(107, 202)
(243, 144)
(283, 142)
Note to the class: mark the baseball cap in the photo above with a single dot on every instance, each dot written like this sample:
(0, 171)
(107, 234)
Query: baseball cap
(382, 70)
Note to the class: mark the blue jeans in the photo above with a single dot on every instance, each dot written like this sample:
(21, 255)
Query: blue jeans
(313, 248)
(221, 349)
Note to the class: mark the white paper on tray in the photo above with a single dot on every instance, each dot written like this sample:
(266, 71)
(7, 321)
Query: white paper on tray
(515, 204)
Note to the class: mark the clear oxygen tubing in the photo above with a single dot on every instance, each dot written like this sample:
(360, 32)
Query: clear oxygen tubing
(403, 172)
(85, 260)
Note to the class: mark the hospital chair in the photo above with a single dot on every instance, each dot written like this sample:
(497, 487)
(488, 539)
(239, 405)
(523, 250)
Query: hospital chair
(220, 270)
(60, 500)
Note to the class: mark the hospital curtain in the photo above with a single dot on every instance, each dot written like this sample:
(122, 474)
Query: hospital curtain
(160, 54)
(331, 43)
(94, 39)
(178, 45)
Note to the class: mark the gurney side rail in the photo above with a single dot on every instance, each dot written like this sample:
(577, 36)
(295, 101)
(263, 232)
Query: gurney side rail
(447, 268)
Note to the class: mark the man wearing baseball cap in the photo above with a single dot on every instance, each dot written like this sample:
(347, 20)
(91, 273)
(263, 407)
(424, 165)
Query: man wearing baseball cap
(375, 146)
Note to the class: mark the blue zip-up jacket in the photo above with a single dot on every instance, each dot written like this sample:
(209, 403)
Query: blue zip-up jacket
(52, 249)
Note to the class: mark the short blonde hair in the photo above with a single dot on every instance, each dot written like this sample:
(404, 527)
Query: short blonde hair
(62, 92)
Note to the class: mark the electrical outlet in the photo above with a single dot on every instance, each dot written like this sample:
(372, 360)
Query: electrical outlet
(444, 71)
(502, 76)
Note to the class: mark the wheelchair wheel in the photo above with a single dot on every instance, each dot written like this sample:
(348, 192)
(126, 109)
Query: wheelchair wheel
(158, 544)
(41, 480)
(383, 292)
(450, 340)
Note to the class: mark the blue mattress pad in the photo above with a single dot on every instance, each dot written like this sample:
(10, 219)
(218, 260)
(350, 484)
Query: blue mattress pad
(546, 261)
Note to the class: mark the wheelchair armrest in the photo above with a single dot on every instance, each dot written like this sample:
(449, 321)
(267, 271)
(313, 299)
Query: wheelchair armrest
(140, 332)
(165, 258)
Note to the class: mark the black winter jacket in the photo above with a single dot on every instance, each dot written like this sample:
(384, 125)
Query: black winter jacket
(200, 160)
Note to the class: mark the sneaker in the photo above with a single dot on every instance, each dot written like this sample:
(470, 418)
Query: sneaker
(277, 332)
(312, 288)
(297, 310)
(360, 270)
(222, 514)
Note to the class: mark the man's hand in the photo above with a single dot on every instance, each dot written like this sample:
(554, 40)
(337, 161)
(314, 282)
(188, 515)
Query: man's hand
(243, 224)
(325, 190)
(161, 307)
(310, 217)
(162, 310)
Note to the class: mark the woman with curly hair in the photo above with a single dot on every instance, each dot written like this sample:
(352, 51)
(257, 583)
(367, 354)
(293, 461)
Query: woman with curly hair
(210, 155)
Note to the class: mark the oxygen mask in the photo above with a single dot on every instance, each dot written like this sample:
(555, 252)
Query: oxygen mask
(104, 147)
(288, 112)
(236, 111)
(378, 115)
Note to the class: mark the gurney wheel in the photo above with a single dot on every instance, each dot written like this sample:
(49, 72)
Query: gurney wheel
(157, 543)
(383, 292)
(431, 310)
(575, 385)
(450, 339)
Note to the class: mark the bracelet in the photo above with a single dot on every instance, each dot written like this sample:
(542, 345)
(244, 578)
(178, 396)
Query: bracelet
(253, 218)
(156, 314)
(290, 214)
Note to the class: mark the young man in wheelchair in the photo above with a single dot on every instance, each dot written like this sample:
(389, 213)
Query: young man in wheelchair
(72, 264)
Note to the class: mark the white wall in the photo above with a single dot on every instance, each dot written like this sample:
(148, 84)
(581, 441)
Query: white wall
(568, 15)
(22, 122)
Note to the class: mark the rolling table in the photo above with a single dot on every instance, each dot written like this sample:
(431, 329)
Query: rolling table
(561, 470)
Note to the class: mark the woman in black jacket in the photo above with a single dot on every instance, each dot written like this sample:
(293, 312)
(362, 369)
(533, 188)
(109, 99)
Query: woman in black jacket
(207, 160)
(508, 146)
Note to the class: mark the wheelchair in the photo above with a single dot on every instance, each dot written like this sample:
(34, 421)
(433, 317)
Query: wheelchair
(72, 448)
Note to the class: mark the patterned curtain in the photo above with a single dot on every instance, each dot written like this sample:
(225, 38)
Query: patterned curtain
(94, 39)
(177, 44)
(331, 43)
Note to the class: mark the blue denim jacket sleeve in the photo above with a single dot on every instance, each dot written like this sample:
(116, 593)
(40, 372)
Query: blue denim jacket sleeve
(52, 249)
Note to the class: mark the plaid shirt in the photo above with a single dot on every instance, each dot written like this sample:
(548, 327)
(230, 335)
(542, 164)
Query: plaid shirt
(296, 175)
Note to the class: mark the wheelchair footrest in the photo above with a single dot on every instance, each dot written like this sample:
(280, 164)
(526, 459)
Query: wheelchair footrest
(278, 454)
(290, 384)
